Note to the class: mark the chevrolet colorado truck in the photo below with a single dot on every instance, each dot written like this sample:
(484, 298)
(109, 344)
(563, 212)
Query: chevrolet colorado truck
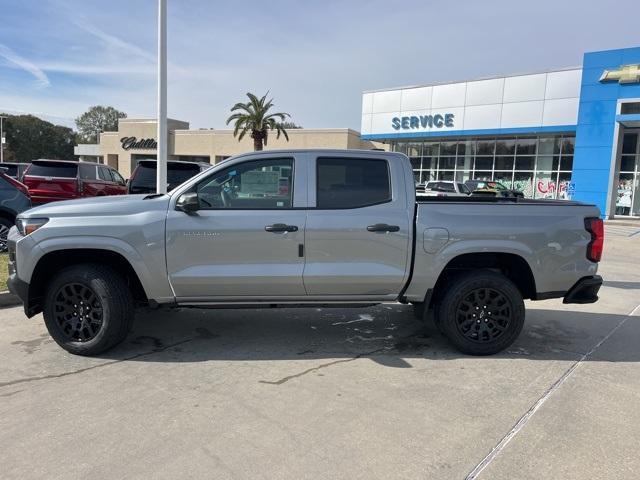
(300, 228)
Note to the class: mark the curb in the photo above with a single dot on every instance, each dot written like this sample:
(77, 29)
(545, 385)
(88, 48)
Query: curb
(8, 299)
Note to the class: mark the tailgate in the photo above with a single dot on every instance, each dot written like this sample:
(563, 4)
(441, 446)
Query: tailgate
(45, 189)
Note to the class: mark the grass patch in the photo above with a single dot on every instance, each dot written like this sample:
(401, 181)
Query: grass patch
(4, 270)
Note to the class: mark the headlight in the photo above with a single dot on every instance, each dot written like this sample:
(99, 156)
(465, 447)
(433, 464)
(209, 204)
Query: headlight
(27, 226)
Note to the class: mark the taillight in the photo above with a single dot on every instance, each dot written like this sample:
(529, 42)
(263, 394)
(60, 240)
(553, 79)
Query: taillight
(19, 185)
(595, 226)
(80, 185)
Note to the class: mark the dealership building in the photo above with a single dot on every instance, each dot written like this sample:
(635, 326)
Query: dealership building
(136, 139)
(570, 133)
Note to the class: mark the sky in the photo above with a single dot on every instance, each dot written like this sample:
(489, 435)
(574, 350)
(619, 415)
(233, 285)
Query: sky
(315, 58)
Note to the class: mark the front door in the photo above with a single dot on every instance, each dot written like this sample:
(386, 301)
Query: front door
(358, 235)
(246, 240)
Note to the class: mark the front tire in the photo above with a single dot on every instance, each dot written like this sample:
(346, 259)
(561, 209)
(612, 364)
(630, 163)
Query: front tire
(88, 309)
(482, 313)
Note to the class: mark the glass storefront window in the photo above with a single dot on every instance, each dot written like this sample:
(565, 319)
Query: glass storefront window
(629, 142)
(506, 178)
(486, 147)
(525, 163)
(447, 163)
(523, 182)
(448, 148)
(463, 176)
(625, 194)
(628, 163)
(526, 146)
(414, 149)
(545, 185)
(467, 148)
(566, 163)
(504, 163)
(548, 162)
(506, 146)
(479, 175)
(484, 163)
(549, 146)
(512, 161)
(431, 149)
(564, 179)
(568, 145)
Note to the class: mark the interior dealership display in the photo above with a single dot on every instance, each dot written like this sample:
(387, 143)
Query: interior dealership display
(308, 227)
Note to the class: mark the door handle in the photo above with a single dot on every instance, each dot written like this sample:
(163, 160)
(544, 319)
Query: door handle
(281, 228)
(383, 227)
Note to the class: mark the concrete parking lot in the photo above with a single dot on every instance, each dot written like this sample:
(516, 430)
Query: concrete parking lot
(318, 393)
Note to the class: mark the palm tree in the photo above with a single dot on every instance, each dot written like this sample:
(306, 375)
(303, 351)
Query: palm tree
(253, 116)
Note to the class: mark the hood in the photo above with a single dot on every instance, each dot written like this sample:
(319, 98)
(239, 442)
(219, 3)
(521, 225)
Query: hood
(100, 206)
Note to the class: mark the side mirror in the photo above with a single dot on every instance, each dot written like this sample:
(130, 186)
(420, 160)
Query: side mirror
(188, 203)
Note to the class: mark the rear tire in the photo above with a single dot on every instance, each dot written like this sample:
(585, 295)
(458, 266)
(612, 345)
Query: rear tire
(88, 309)
(482, 313)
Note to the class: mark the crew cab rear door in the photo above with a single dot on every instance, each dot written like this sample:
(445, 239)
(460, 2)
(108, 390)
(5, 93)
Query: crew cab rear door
(359, 225)
(246, 241)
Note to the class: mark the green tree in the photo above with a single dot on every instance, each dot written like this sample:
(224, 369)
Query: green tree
(290, 125)
(254, 117)
(29, 138)
(96, 120)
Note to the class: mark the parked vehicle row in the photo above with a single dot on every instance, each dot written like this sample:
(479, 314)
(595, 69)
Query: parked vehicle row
(43, 181)
(54, 180)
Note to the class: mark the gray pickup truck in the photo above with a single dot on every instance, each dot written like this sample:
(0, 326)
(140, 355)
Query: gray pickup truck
(299, 228)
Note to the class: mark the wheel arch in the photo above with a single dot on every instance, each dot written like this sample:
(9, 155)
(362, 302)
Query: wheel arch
(511, 265)
(58, 259)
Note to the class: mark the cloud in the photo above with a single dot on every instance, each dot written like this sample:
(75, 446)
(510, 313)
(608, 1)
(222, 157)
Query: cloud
(111, 40)
(97, 69)
(14, 59)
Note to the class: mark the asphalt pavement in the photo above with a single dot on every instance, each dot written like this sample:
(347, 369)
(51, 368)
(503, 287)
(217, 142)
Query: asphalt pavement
(319, 393)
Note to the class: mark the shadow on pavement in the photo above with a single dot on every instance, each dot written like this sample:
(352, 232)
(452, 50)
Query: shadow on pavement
(624, 285)
(388, 334)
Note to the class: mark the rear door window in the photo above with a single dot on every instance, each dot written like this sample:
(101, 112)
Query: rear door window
(352, 182)
(54, 169)
(104, 174)
(117, 177)
(87, 172)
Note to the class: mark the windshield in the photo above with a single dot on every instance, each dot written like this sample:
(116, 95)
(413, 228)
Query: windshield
(54, 169)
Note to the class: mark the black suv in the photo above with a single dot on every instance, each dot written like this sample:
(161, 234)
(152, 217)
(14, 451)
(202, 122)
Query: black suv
(143, 178)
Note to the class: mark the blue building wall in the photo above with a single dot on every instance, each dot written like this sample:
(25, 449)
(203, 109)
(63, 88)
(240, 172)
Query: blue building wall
(595, 131)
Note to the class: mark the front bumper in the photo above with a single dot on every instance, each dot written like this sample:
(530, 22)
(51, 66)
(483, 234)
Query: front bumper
(18, 287)
(585, 290)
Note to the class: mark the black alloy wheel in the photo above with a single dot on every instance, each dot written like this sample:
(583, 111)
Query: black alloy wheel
(483, 315)
(78, 312)
(481, 312)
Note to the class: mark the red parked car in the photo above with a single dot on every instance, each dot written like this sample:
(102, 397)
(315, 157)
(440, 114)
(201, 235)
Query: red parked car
(53, 180)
